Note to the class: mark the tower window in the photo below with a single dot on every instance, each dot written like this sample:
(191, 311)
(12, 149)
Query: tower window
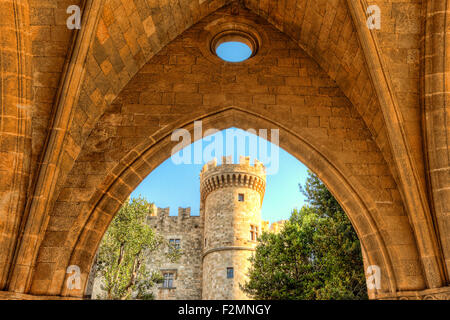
(176, 243)
(168, 280)
(230, 273)
(241, 197)
(253, 233)
(205, 242)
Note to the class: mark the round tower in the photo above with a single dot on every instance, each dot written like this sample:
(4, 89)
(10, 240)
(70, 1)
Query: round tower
(231, 199)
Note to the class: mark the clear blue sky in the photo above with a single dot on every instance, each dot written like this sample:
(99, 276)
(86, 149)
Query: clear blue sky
(233, 51)
(178, 185)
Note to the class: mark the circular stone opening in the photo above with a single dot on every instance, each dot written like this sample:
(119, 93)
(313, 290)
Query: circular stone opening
(234, 46)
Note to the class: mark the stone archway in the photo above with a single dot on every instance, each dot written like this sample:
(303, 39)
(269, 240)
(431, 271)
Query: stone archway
(282, 86)
(323, 79)
(150, 154)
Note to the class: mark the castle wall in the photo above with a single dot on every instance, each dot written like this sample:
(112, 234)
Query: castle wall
(188, 269)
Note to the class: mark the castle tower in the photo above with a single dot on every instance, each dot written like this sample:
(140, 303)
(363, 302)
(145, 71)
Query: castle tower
(231, 199)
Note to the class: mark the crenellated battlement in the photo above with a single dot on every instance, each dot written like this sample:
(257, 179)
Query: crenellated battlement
(227, 165)
(156, 212)
(275, 227)
(227, 174)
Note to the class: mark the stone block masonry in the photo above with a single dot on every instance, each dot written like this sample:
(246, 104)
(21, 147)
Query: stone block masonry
(85, 113)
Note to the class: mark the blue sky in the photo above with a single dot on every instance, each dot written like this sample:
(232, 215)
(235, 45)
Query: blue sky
(178, 185)
(233, 51)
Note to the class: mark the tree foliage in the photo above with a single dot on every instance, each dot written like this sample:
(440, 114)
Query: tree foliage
(124, 253)
(316, 255)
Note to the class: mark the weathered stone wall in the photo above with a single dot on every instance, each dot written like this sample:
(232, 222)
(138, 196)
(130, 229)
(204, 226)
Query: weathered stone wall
(188, 269)
(216, 286)
(282, 84)
(381, 95)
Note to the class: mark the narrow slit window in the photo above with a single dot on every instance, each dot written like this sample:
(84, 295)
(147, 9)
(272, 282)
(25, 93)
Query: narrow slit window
(230, 273)
(241, 197)
(254, 233)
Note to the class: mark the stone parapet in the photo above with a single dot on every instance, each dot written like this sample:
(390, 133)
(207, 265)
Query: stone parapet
(228, 174)
(165, 212)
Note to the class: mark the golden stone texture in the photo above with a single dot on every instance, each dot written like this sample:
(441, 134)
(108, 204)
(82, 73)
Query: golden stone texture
(87, 114)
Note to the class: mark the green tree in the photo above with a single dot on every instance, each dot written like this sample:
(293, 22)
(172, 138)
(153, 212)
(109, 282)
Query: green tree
(124, 252)
(316, 255)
